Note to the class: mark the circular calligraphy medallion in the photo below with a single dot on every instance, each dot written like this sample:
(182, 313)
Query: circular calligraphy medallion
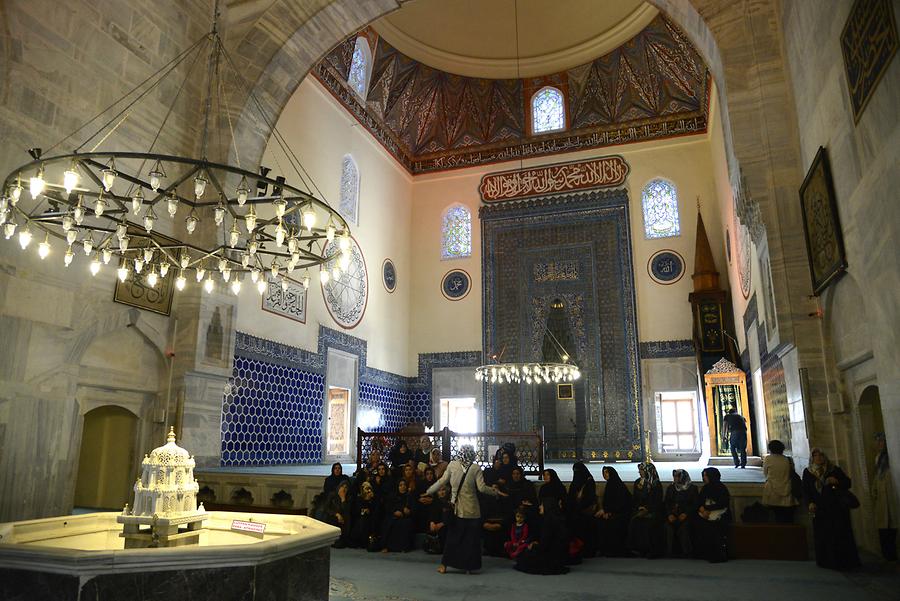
(346, 297)
(389, 275)
(666, 267)
(456, 284)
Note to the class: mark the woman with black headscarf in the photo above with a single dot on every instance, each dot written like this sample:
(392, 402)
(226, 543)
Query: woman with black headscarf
(399, 456)
(462, 549)
(713, 517)
(646, 534)
(827, 488)
(521, 495)
(397, 523)
(337, 476)
(549, 553)
(581, 504)
(365, 516)
(339, 511)
(883, 498)
(681, 507)
(613, 516)
(552, 486)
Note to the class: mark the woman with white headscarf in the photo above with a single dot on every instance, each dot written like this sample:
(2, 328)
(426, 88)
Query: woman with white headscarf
(462, 549)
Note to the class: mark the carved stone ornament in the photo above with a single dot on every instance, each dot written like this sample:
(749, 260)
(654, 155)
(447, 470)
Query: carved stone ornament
(723, 366)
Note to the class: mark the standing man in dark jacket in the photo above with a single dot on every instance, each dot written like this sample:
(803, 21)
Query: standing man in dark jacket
(736, 428)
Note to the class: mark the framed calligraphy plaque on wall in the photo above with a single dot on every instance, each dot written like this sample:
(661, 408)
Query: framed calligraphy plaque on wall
(868, 43)
(824, 240)
(136, 290)
(289, 302)
(602, 172)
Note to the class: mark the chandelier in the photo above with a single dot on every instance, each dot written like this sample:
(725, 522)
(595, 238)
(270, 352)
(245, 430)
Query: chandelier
(531, 372)
(157, 215)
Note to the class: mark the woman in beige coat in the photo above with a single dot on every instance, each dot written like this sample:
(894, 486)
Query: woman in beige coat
(777, 492)
(883, 501)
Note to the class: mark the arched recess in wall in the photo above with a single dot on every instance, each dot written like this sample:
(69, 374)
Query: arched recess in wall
(847, 323)
(106, 459)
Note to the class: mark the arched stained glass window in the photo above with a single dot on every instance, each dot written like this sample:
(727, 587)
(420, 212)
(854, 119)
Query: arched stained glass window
(660, 202)
(358, 78)
(547, 111)
(349, 204)
(456, 239)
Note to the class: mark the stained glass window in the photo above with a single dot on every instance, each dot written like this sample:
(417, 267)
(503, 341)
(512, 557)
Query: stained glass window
(456, 241)
(547, 111)
(349, 204)
(660, 202)
(359, 67)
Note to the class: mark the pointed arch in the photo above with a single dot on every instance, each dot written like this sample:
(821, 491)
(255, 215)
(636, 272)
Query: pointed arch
(548, 110)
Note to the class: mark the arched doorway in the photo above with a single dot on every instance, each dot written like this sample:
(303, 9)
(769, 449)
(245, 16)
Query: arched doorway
(106, 458)
(871, 422)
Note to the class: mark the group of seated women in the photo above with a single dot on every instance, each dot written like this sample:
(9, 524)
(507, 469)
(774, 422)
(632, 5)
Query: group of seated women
(543, 529)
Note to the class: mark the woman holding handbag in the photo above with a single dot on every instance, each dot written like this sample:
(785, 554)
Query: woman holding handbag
(827, 489)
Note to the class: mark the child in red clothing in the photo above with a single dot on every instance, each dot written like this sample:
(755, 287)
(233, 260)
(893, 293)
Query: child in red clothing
(518, 536)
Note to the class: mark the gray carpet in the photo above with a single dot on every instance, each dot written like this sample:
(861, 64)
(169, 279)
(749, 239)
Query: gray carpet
(360, 576)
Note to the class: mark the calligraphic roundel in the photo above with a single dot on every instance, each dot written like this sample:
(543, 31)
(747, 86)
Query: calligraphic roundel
(665, 267)
(346, 296)
(456, 284)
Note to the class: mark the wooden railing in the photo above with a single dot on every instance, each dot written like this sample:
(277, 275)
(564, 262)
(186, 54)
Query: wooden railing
(529, 445)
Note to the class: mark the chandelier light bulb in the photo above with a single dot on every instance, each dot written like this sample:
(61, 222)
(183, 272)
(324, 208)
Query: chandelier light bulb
(292, 263)
(336, 273)
(95, 266)
(236, 287)
(15, 193)
(293, 243)
(261, 286)
(123, 243)
(138, 264)
(309, 217)
(200, 185)
(4, 203)
(9, 228)
(254, 275)
(78, 212)
(250, 220)
(344, 262)
(149, 220)
(209, 285)
(70, 179)
(25, 236)
(152, 278)
(184, 260)
(274, 269)
(164, 269)
(279, 234)
(71, 236)
(180, 281)
(284, 285)
(68, 222)
(36, 183)
(243, 191)
(324, 276)
(3, 215)
(219, 212)
(106, 253)
(122, 271)
(44, 247)
(344, 242)
(69, 256)
(226, 274)
(172, 204)
(137, 201)
(280, 205)
(306, 280)
(99, 206)
(253, 246)
(191, 222)
(157, 175)
(234, 235)
(109, 175)
(148, 254)
(245, 260)
(121, 230)
(88, 244)
(200, 273)
(330, 232)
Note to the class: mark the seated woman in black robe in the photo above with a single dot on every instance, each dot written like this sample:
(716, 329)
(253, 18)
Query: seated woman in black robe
(397, 523)
(365, 516)
(521, 496)
(422, 503)
(438, 520)
(338, 512)
(507, 465)
(493, 525)
(681, 510)
(713, 517)
(581, 504)
(646, 534)
(382, 483)
(549, 553)
(614, 515)
(420, 457)
(492, 474)
(399, 456)
(337, 476)
(552, 486)
(826, 488)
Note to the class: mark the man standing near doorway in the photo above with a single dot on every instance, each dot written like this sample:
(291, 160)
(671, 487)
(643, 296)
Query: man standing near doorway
(736, 428)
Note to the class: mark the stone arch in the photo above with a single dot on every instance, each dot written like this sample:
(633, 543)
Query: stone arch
(106, 458)
(846, 323)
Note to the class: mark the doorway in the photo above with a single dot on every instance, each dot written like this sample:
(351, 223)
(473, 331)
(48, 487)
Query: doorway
(678, 421)
(338, 430)
(460, 414)
(106, 459)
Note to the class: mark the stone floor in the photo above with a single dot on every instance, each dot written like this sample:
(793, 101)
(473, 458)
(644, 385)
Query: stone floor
(360, 576)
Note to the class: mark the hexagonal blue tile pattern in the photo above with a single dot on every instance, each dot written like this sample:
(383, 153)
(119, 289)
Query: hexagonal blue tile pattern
(390, 405)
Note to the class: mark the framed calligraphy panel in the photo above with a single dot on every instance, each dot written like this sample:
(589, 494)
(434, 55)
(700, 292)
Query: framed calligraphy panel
(824, 240)
(136, 291)
(868, 43)
(289, 302)
(602, 172)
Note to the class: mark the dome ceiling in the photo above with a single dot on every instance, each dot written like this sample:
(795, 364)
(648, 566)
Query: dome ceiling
(653, 86)
(478, 38)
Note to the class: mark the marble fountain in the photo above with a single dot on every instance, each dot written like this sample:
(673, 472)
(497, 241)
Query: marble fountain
(166, 548)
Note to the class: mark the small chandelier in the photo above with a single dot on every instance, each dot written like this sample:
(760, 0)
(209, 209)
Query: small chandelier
(142, 208)
(530, 372)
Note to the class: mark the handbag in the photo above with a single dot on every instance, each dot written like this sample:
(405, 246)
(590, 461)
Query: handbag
(847, 499)
(432, 544)
(796, 483)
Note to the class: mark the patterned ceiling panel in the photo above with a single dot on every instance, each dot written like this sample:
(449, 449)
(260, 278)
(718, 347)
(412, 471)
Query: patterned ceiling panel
(653, 86)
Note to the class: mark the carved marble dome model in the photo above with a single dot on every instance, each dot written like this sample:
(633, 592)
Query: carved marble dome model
(165, 497)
